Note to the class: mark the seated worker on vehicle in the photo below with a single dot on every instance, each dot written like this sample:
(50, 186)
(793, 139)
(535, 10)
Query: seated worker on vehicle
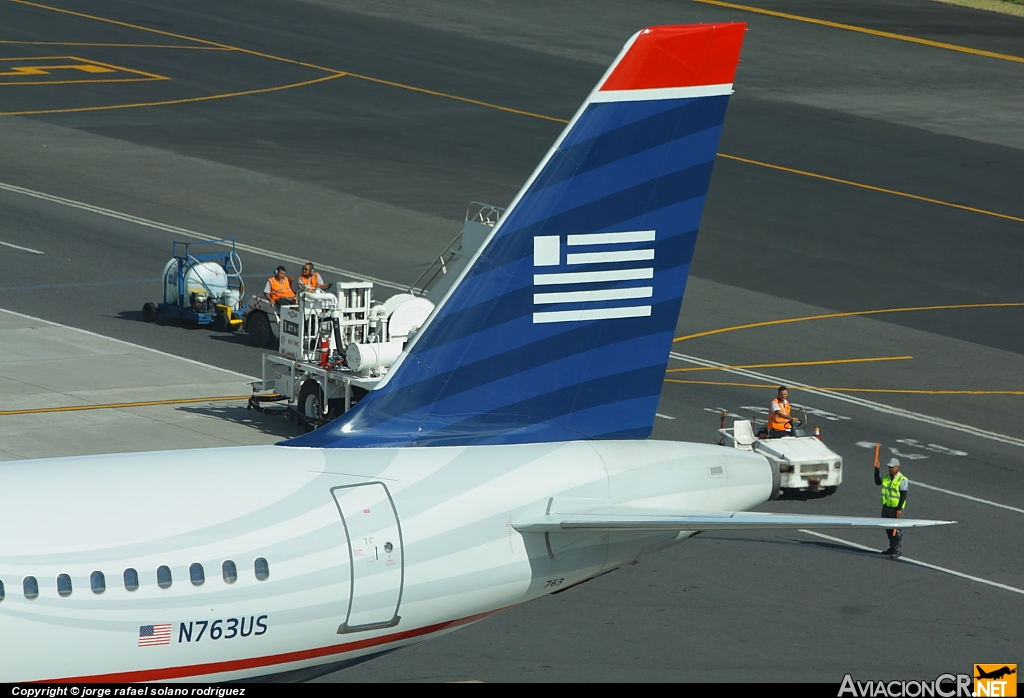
(779, 419)
(310, 280)
(279, 289)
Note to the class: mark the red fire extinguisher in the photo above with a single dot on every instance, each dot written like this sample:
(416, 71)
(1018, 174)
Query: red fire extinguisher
(325, 351)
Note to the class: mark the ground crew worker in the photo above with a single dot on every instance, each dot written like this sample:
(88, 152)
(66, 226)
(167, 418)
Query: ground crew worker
(310, 280)
(279, 289)
(779, 420)
(894, 499)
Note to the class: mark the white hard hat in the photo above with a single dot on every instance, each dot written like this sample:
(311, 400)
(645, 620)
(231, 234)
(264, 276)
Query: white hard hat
(893, 463)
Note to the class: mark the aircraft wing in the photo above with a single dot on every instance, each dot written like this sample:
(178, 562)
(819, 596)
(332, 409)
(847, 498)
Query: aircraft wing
(636, 520)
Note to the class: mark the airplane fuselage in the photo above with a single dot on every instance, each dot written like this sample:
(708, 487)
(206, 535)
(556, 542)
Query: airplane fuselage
(266, 560)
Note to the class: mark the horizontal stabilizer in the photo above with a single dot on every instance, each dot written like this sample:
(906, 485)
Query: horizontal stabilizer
(615, 520)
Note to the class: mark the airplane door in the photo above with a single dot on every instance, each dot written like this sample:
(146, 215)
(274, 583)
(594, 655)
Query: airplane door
(375, 556)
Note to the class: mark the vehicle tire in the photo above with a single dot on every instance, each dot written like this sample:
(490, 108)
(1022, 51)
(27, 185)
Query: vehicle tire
(830, 490)
(311, 398)
(258, 327)
(220, 322)
(149, 312)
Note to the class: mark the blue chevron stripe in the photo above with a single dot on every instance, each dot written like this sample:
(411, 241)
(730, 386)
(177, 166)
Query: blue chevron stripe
(556, 355)
(540, 418)
(598, 183)
(598, 148)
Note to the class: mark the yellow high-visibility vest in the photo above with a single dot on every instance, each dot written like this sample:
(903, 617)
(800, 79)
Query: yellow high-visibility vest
(775, 422)
(280, 289)
(891, 490)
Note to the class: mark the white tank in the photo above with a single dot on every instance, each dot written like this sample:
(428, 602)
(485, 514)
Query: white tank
(368, 357)
(200, 277)
(405, 313)
(231, 298)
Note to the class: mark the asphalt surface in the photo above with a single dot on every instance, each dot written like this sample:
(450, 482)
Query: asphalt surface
(373, 177)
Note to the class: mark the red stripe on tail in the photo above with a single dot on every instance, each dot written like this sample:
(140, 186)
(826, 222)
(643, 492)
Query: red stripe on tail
(680, 56)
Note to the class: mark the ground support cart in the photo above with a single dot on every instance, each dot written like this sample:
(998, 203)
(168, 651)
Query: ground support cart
(202, 284)
(805, 462)
(333, 348)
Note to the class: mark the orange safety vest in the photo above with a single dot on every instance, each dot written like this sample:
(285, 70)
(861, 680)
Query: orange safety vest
(280, 289)
(312, 282)
(775, 422)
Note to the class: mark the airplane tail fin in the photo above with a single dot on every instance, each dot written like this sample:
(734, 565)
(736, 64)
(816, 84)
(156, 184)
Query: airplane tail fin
(559, 328)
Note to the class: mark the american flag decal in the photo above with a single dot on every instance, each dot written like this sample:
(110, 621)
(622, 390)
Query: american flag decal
(598, 290)
(150, 635)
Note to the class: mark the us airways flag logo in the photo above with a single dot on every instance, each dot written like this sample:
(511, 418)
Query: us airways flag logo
(158, 634)
(600, 275)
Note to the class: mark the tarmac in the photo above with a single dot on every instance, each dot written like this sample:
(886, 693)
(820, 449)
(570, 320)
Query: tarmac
(69, 392)
(860, 244)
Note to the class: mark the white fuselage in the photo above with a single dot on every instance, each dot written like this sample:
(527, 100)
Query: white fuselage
(366, 550)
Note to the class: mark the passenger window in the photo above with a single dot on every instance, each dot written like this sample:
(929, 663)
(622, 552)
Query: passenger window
(262, 569)
(131, 579)
(63, 585)
(163, 577)
(195, 573)
(1, 591)
(31, 587)
(98, 582)
(228, 568)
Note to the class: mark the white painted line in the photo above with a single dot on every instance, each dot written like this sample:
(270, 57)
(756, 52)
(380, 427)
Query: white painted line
(606, 257)
(918, 483)
(662, 93)
(869, 404)
(935, 448)
(663, 416)
(613, 294)
(130, 344)
(612, 238)
(19, 247)
(592, 314)
(185, 232)
(590, 277)
(930, 566)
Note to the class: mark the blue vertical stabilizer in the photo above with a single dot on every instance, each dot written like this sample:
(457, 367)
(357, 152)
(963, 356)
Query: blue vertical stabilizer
(560, 327)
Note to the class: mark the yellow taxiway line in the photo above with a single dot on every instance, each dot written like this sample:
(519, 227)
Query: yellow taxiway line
(489, 105)
(851, 390)
(791, 363)
(185, 100)
(15, 42)
(161, 32)
(865, 30)
(117, 405)
(870, 187)
(828, 316)
(477, 102)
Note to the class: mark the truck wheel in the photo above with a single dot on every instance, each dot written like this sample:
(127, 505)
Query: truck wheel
(258, 327)
(149, 312)
(830, 490)
(311, 399)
